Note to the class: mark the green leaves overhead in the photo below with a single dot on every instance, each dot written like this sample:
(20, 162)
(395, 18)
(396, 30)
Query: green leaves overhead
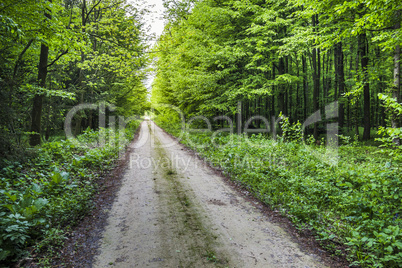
(351, 18)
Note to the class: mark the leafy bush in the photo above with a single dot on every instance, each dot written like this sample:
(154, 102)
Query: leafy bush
(291, 132)
(392, 137)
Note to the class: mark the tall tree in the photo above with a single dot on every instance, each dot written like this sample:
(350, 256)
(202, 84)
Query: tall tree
(396, 90)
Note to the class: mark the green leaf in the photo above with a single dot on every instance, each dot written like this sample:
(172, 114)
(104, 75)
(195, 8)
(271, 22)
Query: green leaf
(12, 197)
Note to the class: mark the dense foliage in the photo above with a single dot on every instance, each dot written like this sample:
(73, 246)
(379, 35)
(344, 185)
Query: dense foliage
(287, 56)
(53, 189)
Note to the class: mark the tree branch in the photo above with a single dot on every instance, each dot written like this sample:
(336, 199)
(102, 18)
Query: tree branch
(90, 11)
(118, 3)
(104, 39)
(57, 58)
(383, 29)
(275, 66)
(20, 57)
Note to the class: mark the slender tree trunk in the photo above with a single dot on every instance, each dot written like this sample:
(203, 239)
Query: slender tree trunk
(273, 90)
(281, 87)
(288, 95)
(78, 119)
(246, 108)
(319, 88)
(316, 80)
(382, 108)
(297, 117)
(356, 105)
(363, 49)
(336, 62)
(349, 108)
(341, 84)
(327, 81)
(38, 98)
(331, 64)
(357, 120)
(396, 92)
(305, 86)
(396, 89)
(48, 120)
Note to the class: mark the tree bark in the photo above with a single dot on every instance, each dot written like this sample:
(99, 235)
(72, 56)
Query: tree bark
(396, 89)
(48, 121)
(273, 90)
(79, 117)
(297, 117)
(281, 95)
(364, 61)
(316, 80)
(340, 81)
(36, 116)
(38, 98)
(305, 86)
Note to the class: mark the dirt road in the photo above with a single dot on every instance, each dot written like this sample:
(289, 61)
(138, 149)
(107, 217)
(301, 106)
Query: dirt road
(173, 211)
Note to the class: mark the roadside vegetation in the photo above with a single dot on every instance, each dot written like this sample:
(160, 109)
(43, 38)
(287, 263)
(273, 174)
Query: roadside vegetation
(48, 193)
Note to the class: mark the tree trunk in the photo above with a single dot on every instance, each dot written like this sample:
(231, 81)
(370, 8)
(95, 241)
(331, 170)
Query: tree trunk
(363, 49)
(38, 98)
(281, 96)
(396, 89)
(36, 116)
(341, 84)
(48, 121)
(288, 95)
(79, 117)
(339, 81)
(327, 79)
(273, 90)
(305, 86)
(297, 117)
(316, 80)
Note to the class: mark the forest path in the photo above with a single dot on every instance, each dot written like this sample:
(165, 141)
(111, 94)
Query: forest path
(173, 211)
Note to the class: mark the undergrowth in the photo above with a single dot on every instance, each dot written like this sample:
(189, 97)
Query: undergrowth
(51, 191)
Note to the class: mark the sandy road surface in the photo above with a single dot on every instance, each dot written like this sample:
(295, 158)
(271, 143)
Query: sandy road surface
(173, 211)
